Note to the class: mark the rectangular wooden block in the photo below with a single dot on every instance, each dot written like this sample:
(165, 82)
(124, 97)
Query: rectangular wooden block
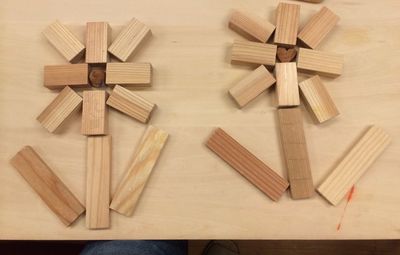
(128, 74)
(94, 113)
(147, 153)
(245, 52)
(248, 165)
(47, 185)
(251, 86)
(296, 154)
(319, 62)
(98, 38)
(59, 76)
(59, 109)
(131, 104)
(287, 24)
(251, 26)
(354, 164)
(129, 40)
(287, 87)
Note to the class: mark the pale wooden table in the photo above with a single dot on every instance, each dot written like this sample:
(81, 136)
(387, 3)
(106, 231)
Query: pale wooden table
(192, 193)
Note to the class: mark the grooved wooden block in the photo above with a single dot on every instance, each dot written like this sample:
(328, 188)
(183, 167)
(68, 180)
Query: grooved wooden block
(131, 104)
(287, 24)
(129, 40)
(147, 153)
(319, 62)
(251, 86)
(98, 37)
(287, 88)
(245, 52)
(59, 76)
(47, 185)
(248, 165)
(296, 154)
(126, 74)
(318, 100)
(355, 163)
(251, 26)
(94, 113)
(59, 109)
(64, 41)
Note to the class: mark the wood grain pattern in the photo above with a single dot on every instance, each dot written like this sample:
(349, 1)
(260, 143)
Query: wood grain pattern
(251, 26)
(319, 62)
(98, 38)
(129, 74)
(287, 87)
(287, 24)
(245, 52)
(94, 113)
(59, 76)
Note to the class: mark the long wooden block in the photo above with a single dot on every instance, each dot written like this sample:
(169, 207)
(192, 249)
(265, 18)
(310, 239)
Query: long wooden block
(287, 24)
(98, 38)
(318, 100)
(128, 74)
(129, 40)
(319, 62)
(64, 41)
(245, 52)
(251, 26)
(59, 109)
(355, 163)
(98, 167)
(248, 165)
(131, 104)
(59, 76)
(47, 185)
(251, 86)
(296, 154)
(287, 88)
(94, 113)
(147, 153)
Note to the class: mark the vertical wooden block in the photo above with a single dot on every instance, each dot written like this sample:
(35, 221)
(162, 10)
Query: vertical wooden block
(59, 76)
(98, 38)
(129, 74)
(319, 62)
(251, 26)
(94, 113)
(287, 24)
(245, 52)
(287, 88)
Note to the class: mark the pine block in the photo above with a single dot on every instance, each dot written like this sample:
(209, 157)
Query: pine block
(287, 24)
(129, 74)
(319, 62)
(98, 38)
(94, 113)
(245, 52)
(287, 88)
(59, 76)
(251, 26)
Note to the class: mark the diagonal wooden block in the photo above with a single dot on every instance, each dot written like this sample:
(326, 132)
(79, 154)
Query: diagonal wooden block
(319, 62)
(98, 38)
(287, 24)
(59, 76)
(94, 113)
(254, 53)
(129, 74)
(287, 87)
(251, 26)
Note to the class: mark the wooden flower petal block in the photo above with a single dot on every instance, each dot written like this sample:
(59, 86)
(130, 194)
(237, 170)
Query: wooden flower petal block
(287, 24)
(59, 76)
(94, 113)
(253, 53)
(129, 74)
(251, 26)
(319, 62)
(286, 55)
(98, 38)
(287, 88)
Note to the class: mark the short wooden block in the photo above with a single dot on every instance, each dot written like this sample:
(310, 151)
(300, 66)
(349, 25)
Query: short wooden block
(251, 26)
(59, 109)
(319, 62)
(147, 153)
(47, 185)
(97, 76)
(251, 86)
(287, 88)
(59, 76)
(248, 165)
(64, 41)
(131, 104)
(98, 38)
(296, 154)
(129, 40)
(355, 163)
(318, 100)
(287, 24)
(94, 113)
(245, 52)
(129, 74)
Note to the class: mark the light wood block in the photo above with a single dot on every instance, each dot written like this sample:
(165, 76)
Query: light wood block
(287, 24)
(131, 104)
(98, 38)
(129, 40)
(287, 87)
(94, 113)
(245, 52)
(318, 100)
(248, 165)
(319, 62)
(147, 153)
(251, 26)
(129, 74)
(251, 86)
(59, 76)
(47, 185)
(59, 109)
(354, 164)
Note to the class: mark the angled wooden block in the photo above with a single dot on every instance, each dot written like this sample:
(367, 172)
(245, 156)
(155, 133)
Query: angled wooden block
(129, 74)
(245, 52)
(147, 153)
(248, 165)
(287, 88)
(59, 76)
(319, 62)
(98, 38)
(287, 24)
(354, 164)
(251, 26)
(47, 185)
(94, 113)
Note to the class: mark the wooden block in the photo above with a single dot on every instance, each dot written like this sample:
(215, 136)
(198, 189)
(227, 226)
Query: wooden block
(318, 100)
(59, 109)
(94, 113)
(287, 88)
(97, 76)
(129, 40)
(295, 151)
(128, 192)
(131, 104)
(245, 52)
(286, 55)
(318, 27)
(287, 24)
(59, 76)
(248, 165)
(355, 163)
(47, 185)
(64, 41)
(319, 62)
(127, 74)
(98, 167)
(251, 26)
(251, 86)
(98, 38)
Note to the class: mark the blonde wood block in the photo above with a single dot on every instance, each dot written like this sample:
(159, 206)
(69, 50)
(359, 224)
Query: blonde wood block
(94, 113)
(59, 76)
(128, 74)
(287, 24)
(251, 26)
(147, 153)
(319, 62)
(98, 38)
(245, 52)
(287, 88)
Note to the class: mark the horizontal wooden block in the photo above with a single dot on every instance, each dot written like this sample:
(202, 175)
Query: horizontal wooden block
(94, 113)
(98, 38)
(287, 88)
(287, 24)
(128, 74)
(245, 52)
(319, 62)
(248, 165)
(251, 26)
(59, 76)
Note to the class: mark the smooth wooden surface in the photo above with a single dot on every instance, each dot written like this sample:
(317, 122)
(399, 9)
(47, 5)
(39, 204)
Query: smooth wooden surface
(59, 76)
(319, 62)
(287, 86)
(128, 74)
(94, 113)
(245, 52)
(287, 23)
(192, 194)
(98, 37)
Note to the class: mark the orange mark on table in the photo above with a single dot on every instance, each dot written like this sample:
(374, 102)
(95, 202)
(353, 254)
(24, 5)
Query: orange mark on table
(349, 197)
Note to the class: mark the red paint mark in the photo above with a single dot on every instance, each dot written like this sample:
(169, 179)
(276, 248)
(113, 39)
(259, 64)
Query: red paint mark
(349, 197)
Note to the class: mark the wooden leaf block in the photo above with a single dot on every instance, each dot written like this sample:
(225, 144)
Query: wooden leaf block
(98, 38)
(251, 26)
(129, 74)
(319, 62)
(59, 76)
(287, 88)
(287, 24)
(245, 52)
(94, 113)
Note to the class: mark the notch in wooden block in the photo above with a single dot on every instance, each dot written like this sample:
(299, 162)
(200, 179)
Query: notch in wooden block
(245, 52)
(354, 164)
(98, 38)
(287, 24)
(59, 76)
(94, 113)
(319, 62)
(251, 26)
(129, 74)
(287, 88)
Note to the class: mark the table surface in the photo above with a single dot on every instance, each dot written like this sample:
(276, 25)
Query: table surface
(192, 193)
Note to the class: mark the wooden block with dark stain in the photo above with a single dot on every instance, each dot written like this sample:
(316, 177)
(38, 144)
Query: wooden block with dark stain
(72, 75)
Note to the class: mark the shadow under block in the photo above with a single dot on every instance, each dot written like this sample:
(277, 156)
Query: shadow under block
(245, 52)
(146, 155)
(317, 99)
(287, 24)
(98, 167)
(94, 113)
(354, 164)
(129, 40)
(128, 74)
(65, 103)
(59, 76)
(287, 87)
(246, 164)
(47, 185)
(251, 26)
(319, 62)
(251, 86)
(98, 38)
(64, 41)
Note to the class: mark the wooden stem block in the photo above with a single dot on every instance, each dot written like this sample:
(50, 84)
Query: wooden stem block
(94, 113)
(98, 38)
(295, 151)
(129, 74)
(59, 76)
(287, 24)
(251, 26)
(319, 62)
(355, 163)
(318, 100)
(59, 109)
(251, 86)
(47, 185)
(129, 40)
(135, 178)
(131, 104)
(287, 88)
(245, 52)
(248, 165)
